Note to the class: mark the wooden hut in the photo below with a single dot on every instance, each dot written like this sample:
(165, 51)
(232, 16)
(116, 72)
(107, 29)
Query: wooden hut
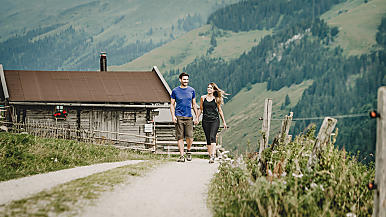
(121, 102)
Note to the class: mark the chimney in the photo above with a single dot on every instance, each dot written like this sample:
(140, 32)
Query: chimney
(103, 61)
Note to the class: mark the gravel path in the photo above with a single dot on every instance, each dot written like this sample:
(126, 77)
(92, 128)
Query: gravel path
(21, 188)
(173, 189)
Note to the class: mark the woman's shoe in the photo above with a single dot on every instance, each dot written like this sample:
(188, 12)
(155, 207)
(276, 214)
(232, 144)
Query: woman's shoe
(188, 156)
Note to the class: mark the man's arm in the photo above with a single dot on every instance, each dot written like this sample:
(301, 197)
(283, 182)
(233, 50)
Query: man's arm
(172, 109)
(194, 104)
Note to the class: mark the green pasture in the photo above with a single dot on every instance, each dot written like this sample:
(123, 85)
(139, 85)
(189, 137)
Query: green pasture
(183, 50)
(357, 22)
(244, 110)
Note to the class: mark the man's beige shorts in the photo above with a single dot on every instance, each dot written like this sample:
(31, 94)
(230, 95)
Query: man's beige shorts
(184, 127)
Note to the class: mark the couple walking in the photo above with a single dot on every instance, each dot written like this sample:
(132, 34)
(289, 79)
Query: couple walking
(183, 98)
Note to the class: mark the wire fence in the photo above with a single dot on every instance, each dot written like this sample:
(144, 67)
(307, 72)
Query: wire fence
(322, 117)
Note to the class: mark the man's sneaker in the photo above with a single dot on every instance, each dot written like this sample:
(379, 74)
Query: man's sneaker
(181, 159)
(189, 156)
(211, 159)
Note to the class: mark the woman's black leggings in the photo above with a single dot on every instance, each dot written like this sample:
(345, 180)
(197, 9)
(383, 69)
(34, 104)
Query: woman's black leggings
(210, 130)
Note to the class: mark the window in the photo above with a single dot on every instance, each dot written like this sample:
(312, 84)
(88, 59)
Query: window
(59, 108)
(129, 116)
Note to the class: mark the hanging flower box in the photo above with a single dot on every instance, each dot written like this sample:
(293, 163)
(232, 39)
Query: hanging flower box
(61, 115)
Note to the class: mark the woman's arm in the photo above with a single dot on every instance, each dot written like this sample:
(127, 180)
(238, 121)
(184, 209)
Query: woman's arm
(222, 115)
(201, 108)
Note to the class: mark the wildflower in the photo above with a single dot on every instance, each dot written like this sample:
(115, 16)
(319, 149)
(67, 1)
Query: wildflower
(297, 175)
(284, 174)
(250, 182)
(313, 185)
(321, 187)
(351, 215)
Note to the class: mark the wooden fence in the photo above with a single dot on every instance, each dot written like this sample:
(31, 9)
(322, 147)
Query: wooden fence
(71, 132)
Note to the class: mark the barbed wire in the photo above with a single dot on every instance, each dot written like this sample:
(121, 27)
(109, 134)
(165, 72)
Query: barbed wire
(322, 117)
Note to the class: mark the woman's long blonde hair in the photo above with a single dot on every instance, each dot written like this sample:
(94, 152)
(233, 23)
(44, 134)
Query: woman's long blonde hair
(218, 94)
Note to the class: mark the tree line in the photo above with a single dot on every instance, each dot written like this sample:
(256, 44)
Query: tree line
(263, 14)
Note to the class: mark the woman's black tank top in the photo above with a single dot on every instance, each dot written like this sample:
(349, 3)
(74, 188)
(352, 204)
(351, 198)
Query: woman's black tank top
(210, 112)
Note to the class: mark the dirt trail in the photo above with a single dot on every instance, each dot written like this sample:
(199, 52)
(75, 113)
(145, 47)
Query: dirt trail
(173, 189)
(17, 189)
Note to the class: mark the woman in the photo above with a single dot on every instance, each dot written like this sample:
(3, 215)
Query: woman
(210, 106)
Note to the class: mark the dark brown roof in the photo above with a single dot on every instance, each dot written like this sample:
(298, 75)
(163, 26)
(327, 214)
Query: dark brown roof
(87, 86)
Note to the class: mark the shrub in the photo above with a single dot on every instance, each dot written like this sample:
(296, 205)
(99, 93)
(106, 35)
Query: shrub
(281, 185)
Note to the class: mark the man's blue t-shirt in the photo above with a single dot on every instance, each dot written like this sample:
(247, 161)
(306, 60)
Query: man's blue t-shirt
(183, 97)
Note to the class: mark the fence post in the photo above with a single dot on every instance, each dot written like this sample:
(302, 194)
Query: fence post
(265, 126)
(283, 137)
(322, 139)
(380, 161)
(285, 129)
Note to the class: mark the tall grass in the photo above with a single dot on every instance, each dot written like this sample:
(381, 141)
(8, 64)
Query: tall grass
(283, 186)
(23, 155)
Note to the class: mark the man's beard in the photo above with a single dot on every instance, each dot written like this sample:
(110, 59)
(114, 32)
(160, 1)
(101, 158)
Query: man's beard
(185, 84)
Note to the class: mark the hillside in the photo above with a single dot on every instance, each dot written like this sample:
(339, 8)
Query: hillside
(244, 110)
(182, 51)
(75, 32)
(357, 22)
(304, 50)
(105, 20)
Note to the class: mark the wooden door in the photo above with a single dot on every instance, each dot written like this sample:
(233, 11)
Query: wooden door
(105, 123)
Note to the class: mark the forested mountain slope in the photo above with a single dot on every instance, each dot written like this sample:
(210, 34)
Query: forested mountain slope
(305, 48)
(198, 42)
(68, 35)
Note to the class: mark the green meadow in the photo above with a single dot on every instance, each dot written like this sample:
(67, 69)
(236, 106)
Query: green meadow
(182, 51)
(244, 110)
(357, 22)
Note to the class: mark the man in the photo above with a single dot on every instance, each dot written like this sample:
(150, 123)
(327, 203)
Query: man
(182, 99)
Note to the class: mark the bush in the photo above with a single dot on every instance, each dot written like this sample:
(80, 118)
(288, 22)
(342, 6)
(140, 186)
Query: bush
(283, 186)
